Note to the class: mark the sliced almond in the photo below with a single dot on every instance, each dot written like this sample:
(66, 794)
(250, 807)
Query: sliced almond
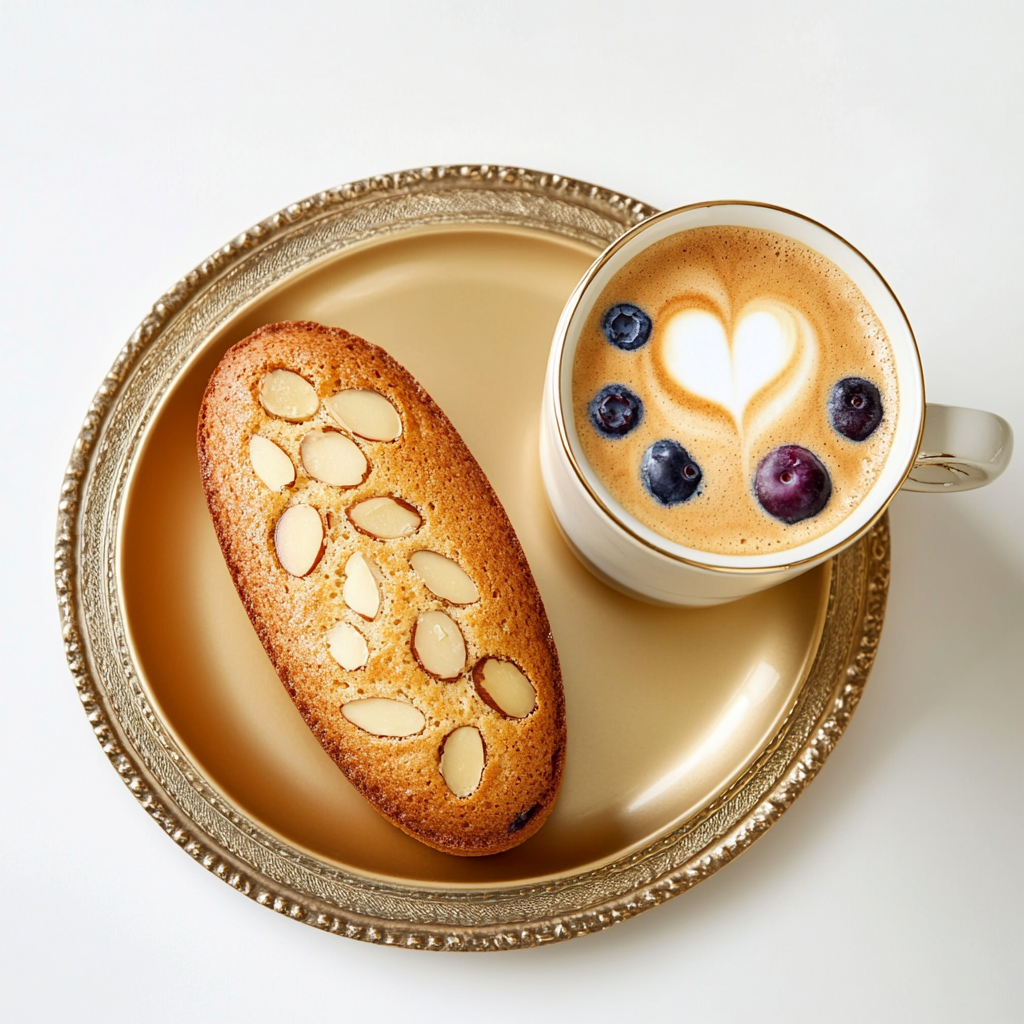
(347, 646)
(385, 518)
(443, 577)
(299, 539)
(361, 592)
(365, 413)
(504, 687)
(289, 396)
(438, 645)
(271, 463)
(385, 717)
(333, 458)
(462, 760)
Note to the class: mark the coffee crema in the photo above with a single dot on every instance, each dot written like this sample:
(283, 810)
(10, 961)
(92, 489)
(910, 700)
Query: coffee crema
(734, 391)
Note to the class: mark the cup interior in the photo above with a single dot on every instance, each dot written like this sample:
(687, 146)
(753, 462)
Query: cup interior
(910, 413)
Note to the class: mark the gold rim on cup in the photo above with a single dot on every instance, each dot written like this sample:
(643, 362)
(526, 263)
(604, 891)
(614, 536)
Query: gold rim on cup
(559, 413)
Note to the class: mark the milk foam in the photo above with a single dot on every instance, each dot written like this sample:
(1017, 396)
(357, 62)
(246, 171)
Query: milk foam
(766, 343)
(750, 331)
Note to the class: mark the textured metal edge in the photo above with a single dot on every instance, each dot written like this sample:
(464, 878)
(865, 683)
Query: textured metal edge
(575, 905)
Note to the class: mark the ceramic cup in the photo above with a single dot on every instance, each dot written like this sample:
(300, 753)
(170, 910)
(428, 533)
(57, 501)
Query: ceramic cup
(934, 447)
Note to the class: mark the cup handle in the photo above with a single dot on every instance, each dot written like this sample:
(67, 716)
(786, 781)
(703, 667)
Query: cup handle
(961, 449)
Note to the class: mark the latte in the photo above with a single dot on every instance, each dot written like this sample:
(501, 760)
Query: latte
(734, 391)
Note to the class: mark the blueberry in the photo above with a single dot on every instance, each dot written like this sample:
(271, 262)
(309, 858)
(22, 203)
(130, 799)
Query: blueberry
(615, 410)
(855, 408)
(521, 820)
(792, 484)
(668, 472)
(626, 326)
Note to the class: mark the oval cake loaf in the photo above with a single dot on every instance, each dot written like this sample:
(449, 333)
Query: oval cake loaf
(386, 584)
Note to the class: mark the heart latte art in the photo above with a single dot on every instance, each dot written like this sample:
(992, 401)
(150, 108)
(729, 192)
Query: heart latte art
(734, 391)
(770, 343)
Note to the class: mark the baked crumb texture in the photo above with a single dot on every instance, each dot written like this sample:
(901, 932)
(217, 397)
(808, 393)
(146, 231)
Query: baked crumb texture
(429, 470)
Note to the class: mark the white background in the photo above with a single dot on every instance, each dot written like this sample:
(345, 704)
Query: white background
(137, 138)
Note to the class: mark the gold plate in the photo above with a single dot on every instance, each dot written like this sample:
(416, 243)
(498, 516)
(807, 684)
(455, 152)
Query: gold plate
(690, 731)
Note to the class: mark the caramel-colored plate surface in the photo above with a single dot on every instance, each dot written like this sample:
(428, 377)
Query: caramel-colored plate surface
(690, 732)
(665, 708)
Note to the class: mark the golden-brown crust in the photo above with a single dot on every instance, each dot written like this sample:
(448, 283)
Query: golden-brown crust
(429, 467)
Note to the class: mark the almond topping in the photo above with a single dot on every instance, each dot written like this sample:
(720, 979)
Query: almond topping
(299, 539)
(438, 645)
(462, 760)
(288, 396)
(271, 463)
(384, 717)
(365, 413)
(504, 687)
(361, 592)
(385, 518)
(443, 577)
(347, 646)
(333, 458)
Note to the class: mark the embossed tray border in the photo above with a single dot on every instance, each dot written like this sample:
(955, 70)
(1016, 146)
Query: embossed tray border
(173, 791)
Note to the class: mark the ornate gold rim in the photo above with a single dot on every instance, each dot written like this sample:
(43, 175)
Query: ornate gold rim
(173, 791)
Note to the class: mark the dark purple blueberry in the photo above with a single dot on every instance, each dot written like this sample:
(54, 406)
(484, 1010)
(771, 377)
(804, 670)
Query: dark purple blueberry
(626, 326)
(668, 472)
(855, 408)
(521, 820)
(615, 410)
(792, 484)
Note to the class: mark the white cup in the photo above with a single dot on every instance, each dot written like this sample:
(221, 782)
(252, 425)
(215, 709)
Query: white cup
(934, 447)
